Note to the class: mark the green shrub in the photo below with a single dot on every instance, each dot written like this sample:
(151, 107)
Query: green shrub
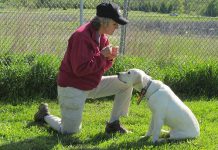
(41, 78)
(34, 75)
(212, 9)
(163, 8)
(28, 75)
(194, 79)
(12, 80)
(13, 75)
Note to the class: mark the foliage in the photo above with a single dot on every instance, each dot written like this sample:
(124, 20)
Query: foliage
(194, 79)
(42, 77)
(27, 75)
(162, 6)
(212, 9)
(35, 75)
(51, 4)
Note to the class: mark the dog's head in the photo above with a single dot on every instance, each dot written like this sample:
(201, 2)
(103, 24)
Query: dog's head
(134, 77)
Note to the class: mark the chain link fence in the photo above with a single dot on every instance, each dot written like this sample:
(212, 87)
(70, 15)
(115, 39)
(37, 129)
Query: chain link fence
(160, 30)
(185, 32)
(157, 29)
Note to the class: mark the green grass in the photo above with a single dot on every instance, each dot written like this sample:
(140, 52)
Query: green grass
(19, 132)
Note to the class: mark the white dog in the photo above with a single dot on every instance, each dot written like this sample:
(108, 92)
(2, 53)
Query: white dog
(166, 107)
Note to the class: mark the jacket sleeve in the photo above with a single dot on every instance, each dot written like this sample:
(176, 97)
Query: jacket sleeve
(109, 63)
(84, 57)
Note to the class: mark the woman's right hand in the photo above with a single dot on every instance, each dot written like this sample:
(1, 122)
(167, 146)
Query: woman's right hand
(110, 52)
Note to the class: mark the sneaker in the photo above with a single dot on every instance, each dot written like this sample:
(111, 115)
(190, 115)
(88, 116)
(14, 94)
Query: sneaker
(42, 112)
(115, 127)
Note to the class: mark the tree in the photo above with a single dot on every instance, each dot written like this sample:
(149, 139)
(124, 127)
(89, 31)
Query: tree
(212, 9)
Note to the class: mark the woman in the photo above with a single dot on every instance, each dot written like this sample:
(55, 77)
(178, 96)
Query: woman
(88, 56)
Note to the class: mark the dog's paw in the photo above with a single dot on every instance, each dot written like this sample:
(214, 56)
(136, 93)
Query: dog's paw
(163, 140)
(160, 141)
(156, 143)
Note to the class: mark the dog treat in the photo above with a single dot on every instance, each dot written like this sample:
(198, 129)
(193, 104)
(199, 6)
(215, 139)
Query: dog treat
(114, 50)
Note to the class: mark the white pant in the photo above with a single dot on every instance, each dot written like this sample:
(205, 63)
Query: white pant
(72, 102)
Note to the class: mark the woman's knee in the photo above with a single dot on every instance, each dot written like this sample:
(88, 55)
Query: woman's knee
(71, 126)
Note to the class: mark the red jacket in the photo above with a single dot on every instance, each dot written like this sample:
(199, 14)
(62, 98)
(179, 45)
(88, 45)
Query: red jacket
(83, 65)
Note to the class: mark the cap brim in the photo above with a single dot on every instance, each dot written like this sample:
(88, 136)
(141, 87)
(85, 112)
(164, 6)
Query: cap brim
(121, 20)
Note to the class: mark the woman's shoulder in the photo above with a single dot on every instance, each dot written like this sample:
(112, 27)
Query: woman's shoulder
(81, 31)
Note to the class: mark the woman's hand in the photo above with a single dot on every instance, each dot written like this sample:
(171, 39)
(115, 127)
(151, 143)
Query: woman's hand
(110, 52)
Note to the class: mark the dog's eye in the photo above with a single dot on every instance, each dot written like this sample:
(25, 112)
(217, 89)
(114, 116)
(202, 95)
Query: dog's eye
(129, 72)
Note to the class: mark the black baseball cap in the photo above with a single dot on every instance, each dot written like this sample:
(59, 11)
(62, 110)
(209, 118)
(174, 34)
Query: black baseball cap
(111, 10)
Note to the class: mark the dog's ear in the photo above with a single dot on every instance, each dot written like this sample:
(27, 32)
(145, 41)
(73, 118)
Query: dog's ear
(140, 81)
(145, 79)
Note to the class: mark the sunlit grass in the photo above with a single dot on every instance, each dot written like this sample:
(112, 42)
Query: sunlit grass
(19, 132)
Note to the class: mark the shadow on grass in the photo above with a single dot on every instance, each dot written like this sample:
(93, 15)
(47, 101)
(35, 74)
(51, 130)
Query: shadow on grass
(55, 138)
(142, 143)
(41, 143)
(49, 142)
(99, 138)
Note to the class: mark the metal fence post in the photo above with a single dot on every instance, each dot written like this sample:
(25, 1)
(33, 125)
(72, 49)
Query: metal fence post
(81, 12)
(123, 29)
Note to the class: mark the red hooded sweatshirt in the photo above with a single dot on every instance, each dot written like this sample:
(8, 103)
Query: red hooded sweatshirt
(83, 64)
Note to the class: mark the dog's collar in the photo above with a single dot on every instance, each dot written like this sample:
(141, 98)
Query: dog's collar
(143, 92)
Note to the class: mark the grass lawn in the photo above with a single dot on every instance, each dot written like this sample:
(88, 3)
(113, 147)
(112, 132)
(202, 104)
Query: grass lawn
(18, 131)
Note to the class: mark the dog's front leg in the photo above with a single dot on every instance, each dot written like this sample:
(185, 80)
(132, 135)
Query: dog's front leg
(158, 123)
(149, 132)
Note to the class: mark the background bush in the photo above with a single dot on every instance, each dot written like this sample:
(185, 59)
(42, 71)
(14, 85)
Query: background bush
(197, 7)
(212, 9)
(25, 76)
(28, 76)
